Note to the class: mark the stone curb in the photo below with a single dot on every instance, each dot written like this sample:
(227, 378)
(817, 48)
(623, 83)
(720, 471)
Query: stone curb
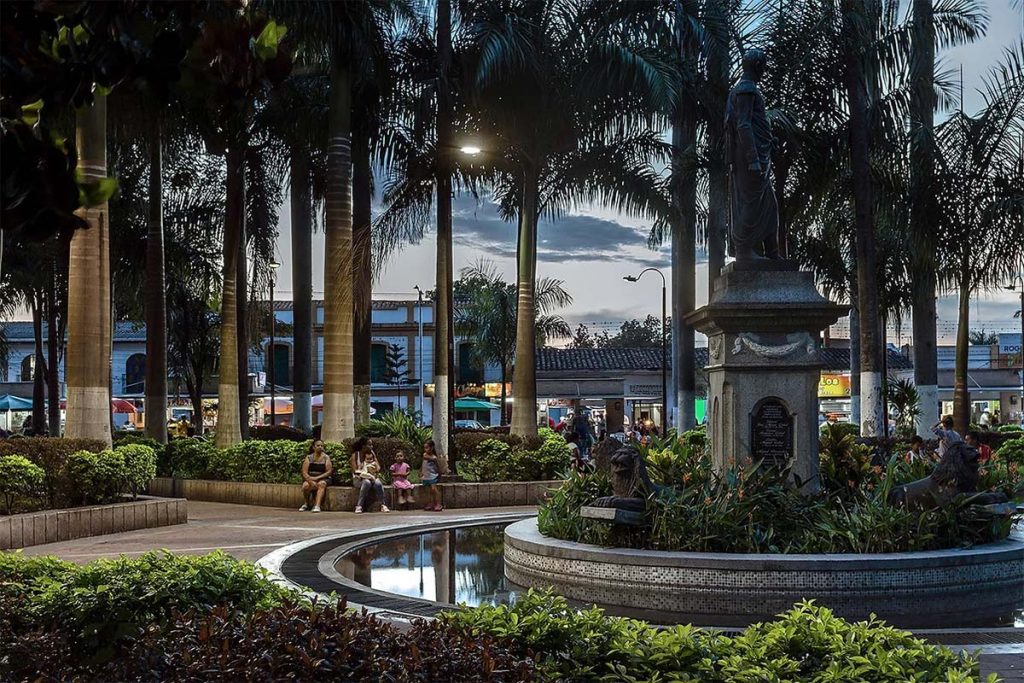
(456, 496)
(52, 526)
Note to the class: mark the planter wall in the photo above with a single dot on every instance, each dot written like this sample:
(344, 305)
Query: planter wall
(344, 498)
(51, 526)
(940, 588)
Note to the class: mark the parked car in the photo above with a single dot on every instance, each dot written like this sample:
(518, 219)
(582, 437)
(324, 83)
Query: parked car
(468, 424)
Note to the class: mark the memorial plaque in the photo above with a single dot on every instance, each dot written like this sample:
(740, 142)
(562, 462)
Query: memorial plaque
(771, 432)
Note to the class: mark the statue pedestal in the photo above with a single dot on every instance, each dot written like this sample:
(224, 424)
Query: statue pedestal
(763, 323)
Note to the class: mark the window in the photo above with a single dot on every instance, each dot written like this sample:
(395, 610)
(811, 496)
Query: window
(378, 363)
(28, 364)
(135, 373)
(469, 371)
(282, 364)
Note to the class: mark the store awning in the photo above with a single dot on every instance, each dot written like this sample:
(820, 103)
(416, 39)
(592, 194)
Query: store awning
(10, 402)
(474, 404)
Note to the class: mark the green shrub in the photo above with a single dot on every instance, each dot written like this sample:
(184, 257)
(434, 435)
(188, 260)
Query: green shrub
(467, 443)
(19, 478)
(95, 477)
(386, 448)
(1012, 452)
(106, 601)
(50, 453)
(272, 462)
(131, 438)
(808, 643)
(842, 428)
(187, 458)
(492, 462)
(139, 466)
(396, 424)
(1007, 429)
(550, 461)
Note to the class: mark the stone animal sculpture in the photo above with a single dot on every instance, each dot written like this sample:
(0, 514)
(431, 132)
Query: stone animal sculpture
(631, 484)
(956, 473)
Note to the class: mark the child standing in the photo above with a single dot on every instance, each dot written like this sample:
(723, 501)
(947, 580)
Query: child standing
(429, 475)
(400, 479)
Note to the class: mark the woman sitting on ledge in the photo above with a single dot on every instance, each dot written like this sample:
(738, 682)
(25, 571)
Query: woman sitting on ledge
(316, 475)
(365, 474)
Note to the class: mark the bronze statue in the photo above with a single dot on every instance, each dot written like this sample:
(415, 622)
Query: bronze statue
(631, 484)
(755, 211)
(956, 473)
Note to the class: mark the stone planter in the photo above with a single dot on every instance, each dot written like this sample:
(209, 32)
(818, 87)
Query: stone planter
(51, 526)
(941, 588)
(343, 498)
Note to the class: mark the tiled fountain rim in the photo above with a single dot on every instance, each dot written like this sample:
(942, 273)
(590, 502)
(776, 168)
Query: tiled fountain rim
(526, 536)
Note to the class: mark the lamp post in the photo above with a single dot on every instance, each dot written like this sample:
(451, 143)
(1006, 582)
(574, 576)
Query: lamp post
(419, 345)
(664, 343)
(1019, 279)
(274, 265)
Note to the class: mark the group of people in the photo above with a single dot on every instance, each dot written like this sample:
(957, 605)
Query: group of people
(947, 437)
(318, 474)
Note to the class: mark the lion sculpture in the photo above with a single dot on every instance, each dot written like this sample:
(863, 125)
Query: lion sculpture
(956, 473)
(631, 485)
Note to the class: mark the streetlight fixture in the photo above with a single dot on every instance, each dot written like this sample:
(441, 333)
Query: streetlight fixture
(274, 265)
(664, 343)
(471, 150)
(1019, 279)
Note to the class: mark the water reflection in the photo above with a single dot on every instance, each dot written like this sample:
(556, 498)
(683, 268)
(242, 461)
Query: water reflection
(463, 565)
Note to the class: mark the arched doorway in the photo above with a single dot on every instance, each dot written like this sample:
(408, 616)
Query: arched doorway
(135, 374)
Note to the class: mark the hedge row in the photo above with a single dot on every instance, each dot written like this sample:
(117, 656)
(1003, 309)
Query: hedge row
(269, 462)
(161, 617)
(48, 472)
(514, 460)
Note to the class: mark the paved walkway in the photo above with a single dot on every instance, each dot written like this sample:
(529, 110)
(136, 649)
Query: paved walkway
(245, 531)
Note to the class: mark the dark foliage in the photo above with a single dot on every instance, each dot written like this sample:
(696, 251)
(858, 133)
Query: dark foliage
(277, 433)
(51, 454)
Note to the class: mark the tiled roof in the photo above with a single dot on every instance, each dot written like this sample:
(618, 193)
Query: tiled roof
(22, 331)
(631, 359)
(378, 304)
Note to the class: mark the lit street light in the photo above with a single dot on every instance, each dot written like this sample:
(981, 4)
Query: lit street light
(470, 150)
(274, 265)
(664, 345)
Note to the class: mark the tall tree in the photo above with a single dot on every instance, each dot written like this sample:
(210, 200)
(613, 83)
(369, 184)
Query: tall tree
(156, 296)
(487, 314)
(444, 313)
(566, 102)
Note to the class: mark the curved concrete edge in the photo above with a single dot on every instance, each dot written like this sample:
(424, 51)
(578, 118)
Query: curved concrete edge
(347, 542)
(526, 536)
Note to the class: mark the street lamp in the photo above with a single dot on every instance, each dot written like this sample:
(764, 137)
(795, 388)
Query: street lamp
(419, 348)
(471, 150)
(1019, 279)
(274, 265)
(664, 344)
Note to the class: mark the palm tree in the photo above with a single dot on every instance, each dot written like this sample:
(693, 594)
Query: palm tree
(979, 198)
(487, 311)
(348, 37)
(89, 332)
(565, 103)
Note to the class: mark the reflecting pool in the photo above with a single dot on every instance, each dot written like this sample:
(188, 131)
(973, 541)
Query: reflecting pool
(465, 565)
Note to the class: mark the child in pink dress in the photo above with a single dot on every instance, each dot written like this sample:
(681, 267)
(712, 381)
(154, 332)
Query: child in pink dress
(400, 479)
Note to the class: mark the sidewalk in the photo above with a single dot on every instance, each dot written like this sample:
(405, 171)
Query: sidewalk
(245, 531)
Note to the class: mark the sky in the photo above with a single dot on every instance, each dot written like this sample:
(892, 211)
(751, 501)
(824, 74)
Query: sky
(592, 248)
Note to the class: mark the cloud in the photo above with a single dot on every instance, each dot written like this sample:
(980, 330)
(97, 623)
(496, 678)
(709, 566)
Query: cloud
(575, 237)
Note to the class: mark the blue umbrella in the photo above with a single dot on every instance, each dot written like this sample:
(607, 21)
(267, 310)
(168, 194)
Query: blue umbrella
(9, 402)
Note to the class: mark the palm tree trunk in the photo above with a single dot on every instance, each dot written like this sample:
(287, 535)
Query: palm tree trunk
(867, 293)
(228, 430)
(504, 394)
(444, 321)
(684, 269)
(961, 393)
(302, 290)
(854, 366)
(524, 373)
(362, 196)
(39, 372)
(87, 370)
(922, 66)
(338, 372)
(242, 301)
(718, 171)
(52, 354)
(156, 297)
